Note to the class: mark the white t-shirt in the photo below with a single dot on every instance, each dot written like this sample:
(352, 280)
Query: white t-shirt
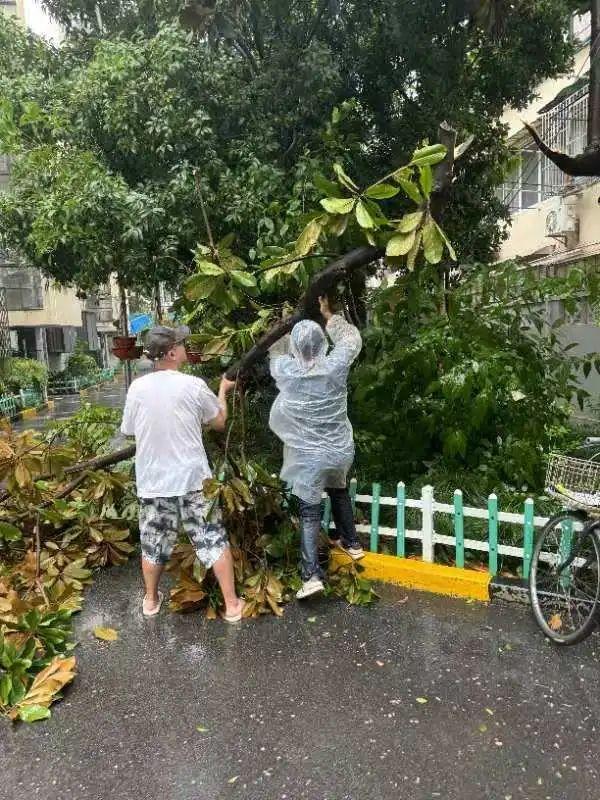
(164, 411)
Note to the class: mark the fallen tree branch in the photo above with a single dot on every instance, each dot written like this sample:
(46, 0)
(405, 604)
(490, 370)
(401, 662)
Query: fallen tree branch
(102, 461)
(308, 306)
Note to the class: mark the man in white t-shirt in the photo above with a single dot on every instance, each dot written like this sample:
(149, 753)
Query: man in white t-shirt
(165, 411)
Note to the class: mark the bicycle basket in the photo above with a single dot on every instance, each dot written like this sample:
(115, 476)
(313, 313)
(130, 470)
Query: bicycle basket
(574, 479)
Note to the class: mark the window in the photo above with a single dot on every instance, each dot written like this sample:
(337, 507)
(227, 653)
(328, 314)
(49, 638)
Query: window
(581, 27)
(22, 287)
(523, 188)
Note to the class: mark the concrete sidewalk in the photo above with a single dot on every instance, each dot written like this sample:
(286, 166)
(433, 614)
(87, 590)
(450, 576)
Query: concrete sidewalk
(416, 697)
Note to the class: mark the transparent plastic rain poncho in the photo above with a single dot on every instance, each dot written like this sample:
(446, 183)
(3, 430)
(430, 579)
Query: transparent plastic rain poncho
(310, 413)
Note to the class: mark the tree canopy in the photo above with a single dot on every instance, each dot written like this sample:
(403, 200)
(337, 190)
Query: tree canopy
(133, 103)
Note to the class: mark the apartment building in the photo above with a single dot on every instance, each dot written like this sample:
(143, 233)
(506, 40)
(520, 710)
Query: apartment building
(556, 219)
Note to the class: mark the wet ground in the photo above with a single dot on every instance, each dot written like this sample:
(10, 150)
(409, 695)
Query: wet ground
(416, 697)
(108, 394)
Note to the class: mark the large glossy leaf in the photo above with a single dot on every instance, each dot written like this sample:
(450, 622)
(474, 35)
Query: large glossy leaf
(430, 155)
(400, 244)
(343, 178)
(309, 237)
(433, 244)
(409, 188)
(338, 205)
(199, 287)
(382, 191)
(363, 217)
(410, 221)
(209, 268)
(245, 279)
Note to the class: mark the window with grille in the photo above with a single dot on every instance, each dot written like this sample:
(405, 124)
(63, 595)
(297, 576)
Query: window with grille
(523, 188)
(23, 288)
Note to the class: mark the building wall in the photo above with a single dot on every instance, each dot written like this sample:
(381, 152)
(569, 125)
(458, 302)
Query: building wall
(527, 233)
(61, 307)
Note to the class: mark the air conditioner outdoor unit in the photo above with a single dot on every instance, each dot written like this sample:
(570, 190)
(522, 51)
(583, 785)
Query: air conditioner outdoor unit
(560, 218)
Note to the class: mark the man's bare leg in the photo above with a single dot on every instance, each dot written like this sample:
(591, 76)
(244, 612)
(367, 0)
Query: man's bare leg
(151, 573)
(223, 569)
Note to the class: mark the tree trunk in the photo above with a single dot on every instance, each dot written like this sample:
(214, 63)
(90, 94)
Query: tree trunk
(593, 131)
(124, 328)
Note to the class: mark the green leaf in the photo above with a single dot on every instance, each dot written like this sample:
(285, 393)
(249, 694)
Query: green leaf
(199, 287)
(447, 242)
(410, 189)
(208, 268)
(5, 688)
(201, 729)
(308, 238)
(432, 154)
(400, 244)
(344, 179)
(326, 187)
(433, 244)
(338, 205)
(245, 279)
(363, 217)
(10, 533)
(412, 256)
(382, 191)
(34, 713)
(426, 179)
(410, 221)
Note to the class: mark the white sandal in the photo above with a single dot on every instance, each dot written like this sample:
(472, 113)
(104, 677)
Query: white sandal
(154, 611)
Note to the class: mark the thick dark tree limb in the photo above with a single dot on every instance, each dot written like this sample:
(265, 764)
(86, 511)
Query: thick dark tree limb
(585, 164)
(100, 462)
(308, 307)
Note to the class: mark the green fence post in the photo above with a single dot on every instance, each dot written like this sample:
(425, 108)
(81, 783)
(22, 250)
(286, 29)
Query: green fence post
(459, 529)
(527, 536)
(327, 516)
(353, 489)
(374, 542)
(493, 533)
(400, 520)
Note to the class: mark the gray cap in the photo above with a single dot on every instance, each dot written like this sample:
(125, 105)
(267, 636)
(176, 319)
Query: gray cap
(160, 339)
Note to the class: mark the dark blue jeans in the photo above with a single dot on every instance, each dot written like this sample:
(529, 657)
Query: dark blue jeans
(310, 526)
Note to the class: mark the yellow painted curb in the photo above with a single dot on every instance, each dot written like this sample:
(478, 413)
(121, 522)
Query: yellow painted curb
(28, 413)
(425, 577)
(83, 393)
(50, 405)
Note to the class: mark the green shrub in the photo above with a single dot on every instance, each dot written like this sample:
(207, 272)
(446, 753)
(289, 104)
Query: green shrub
(25, 373)
(81, 362)
(484, 389)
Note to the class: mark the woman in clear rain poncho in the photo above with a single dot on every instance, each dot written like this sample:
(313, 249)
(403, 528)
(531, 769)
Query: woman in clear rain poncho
(310, 417)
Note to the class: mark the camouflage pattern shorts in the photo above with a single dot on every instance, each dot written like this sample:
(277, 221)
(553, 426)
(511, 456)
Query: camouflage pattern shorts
(161, 519)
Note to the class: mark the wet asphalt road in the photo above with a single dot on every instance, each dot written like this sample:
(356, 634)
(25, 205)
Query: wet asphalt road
(326, 703)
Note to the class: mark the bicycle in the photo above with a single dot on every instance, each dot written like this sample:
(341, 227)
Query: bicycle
(564, 581)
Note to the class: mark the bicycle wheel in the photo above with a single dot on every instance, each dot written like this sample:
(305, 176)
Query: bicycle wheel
(564, 583)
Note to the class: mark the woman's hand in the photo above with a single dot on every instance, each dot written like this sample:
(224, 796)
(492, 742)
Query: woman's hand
(324, 308)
